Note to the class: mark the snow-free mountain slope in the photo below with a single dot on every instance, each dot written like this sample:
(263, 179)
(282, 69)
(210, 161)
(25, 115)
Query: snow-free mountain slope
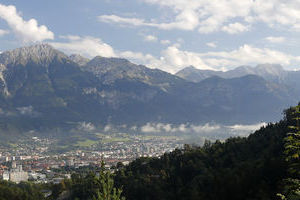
(42, 89)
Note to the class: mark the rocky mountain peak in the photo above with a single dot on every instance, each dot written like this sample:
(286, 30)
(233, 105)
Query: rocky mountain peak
(39, 54)
(102, 61)
(272, 69)
(195, 75)
(116, 67)
(2, 67)
(80, 60)
(191, 67)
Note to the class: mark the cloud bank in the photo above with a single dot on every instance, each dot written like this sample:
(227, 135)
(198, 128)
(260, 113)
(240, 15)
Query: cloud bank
(86, 46)
(230, 16)
(27, 31)
(276, 40)
(204, 129)
(173, 59)
(3, 32)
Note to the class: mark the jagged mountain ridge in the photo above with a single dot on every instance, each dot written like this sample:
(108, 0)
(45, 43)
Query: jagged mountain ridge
(80, 60)
(111, 69)
(44, 88)
(41, 54)
(270, 72)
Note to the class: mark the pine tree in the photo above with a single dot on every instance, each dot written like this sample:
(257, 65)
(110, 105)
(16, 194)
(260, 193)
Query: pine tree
(292, 154)
(107, 190)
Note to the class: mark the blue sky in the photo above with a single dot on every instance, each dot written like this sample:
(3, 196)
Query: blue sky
(164, 34)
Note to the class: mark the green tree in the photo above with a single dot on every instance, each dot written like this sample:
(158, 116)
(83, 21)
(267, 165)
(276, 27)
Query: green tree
(108, 191)
(292, 152)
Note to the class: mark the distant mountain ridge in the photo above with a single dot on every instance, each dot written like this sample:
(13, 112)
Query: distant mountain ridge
(41, 88)
(272, 72)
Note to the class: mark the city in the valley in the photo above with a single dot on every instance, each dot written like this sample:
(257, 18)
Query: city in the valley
(35, 160)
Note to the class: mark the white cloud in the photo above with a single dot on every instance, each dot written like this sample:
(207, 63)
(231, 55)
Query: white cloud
(27, 110)
(215, 15)
(235, 28)
(91, 47)
(176, 59)
(185, 21)
(212, 16)
(277, 12)
(149, 128)
(121, 20)
(252, 127)
(3, 32)
(276, 40)
(138, 57)
(70, 37)
(173, 59)
(27, 31)
(206, 128)
(165, 42)
(86, 46)
(107, 128)
(246, 55)
(86, 126)
(211, 44)
(201, 129)
(150, 38)
(207, 16)
(181, 128)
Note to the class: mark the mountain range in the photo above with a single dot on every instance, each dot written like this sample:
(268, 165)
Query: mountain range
(42, 88)
(270, 72)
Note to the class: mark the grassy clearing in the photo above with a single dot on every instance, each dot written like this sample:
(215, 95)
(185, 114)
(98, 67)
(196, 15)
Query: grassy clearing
(86, 143)
(114, 139)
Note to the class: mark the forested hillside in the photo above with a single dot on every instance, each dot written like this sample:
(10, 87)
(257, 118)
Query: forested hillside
(241, 168)
(263, 166)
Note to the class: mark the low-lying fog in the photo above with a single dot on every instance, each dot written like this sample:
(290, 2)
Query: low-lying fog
(190, 133)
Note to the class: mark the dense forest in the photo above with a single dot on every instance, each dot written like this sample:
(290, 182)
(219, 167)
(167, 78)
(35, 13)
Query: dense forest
(263, 166)
(240, 168)
(21, 191)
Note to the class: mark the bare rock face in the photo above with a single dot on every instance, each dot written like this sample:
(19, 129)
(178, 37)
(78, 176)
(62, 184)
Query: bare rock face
(80, 60)
(42, 54)
(110, 70)
(3, 85)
